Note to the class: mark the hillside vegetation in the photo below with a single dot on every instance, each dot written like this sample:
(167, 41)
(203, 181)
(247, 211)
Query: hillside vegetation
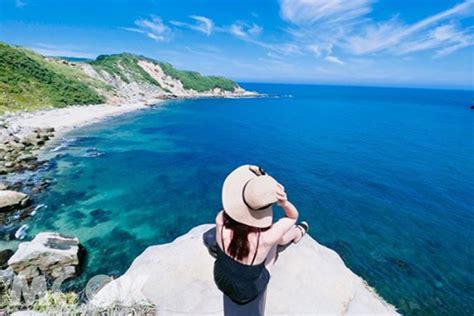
(196, 81)
(29, 81)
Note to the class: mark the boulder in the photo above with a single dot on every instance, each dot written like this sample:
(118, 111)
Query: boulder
(10, 200)
(177, 278)
(52, 254)
(32, 139)
(4, 256)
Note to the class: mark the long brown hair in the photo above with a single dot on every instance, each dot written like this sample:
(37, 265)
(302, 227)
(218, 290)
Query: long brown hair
(239, 247)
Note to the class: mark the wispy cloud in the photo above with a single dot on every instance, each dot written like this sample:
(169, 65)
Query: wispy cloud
(250, 32)
(154, 28)
(245, 30)
(305, 12)
(201, 23)
(204, 24)
(396, 37)
(60, 51)
(321, 25)
(20, 3)
(334, 59)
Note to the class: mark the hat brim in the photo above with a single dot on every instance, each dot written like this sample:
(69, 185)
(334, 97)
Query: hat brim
(234, 204)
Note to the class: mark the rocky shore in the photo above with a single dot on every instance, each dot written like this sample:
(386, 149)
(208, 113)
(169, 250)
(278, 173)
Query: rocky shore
(19, 148)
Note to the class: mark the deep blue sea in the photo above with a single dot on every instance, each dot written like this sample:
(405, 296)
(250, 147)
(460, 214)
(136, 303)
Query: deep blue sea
(384, 176)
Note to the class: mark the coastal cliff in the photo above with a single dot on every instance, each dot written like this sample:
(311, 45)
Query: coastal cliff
(30, 81)
(177, 278)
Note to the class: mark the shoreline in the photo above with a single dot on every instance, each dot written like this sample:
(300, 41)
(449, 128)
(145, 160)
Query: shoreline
(69, 118)
(50, 124)
(28, 139)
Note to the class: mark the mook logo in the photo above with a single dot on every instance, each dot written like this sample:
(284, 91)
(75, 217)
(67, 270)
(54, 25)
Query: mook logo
(24, 291)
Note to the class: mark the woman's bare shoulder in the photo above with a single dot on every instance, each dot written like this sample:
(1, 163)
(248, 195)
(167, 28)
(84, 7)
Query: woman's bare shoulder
(220, 218)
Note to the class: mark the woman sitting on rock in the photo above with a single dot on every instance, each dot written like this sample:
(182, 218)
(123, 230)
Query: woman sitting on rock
(246, 239)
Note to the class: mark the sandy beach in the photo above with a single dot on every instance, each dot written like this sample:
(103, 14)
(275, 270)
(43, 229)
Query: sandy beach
(66, 119)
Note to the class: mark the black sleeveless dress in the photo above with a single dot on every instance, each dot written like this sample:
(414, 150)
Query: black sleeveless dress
(242, 283)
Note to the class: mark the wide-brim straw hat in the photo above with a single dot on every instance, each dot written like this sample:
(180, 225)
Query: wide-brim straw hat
(248, 194)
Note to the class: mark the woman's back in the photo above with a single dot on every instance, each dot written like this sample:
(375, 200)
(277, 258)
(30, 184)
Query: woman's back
(260, 243)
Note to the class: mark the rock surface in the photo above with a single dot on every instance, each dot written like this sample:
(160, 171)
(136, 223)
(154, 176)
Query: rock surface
(10, 200)
(19, 147)
(4, 256)
(177, 278)
(53, 254)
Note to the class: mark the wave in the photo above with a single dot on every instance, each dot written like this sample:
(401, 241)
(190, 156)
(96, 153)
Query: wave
(66, 142)
(21, 232)
(38, 207)
(92, 153)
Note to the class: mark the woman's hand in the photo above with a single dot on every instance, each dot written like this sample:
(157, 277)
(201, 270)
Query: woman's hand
(282, 198)
(282, 201)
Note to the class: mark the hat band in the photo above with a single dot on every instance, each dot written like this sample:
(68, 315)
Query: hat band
(248, 205)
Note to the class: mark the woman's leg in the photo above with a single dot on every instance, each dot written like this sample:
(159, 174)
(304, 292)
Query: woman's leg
(293, 235)
(253, 308)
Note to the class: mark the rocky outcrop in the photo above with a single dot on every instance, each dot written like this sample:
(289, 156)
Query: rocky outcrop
(307, 279)
(19, 147)
(51, 254)
(4, 256)
(10, 200)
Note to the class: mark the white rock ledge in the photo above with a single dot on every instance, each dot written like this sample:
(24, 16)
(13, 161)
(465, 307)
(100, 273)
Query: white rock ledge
(308, 279)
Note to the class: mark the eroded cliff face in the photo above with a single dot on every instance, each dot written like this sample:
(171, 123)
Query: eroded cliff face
(130, 79)
(177, 278)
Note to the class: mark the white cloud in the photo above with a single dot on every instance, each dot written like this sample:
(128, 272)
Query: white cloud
(20, 3)
(320, 49)
(304, 12)
(60, 51)
(250, 33)
(396, 37)
(202, 24)
(334, 59)
(205, 25)
(153, 28)
(244, 30)
(255, 29)
(345, 26)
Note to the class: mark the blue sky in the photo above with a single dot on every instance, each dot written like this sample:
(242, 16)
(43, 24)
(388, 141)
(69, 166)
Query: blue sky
(427, 43)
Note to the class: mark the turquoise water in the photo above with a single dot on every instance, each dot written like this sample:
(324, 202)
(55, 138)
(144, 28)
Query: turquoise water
(384, 176)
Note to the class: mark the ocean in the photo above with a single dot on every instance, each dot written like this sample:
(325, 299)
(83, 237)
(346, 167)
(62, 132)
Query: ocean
(384, 176)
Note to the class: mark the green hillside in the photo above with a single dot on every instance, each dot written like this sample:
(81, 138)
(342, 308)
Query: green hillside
(196, 81)
(30, 81)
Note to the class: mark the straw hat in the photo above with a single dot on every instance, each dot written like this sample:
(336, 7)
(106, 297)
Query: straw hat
(248, 194)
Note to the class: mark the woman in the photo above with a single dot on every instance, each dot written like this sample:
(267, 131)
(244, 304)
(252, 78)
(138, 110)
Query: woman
(247, 238)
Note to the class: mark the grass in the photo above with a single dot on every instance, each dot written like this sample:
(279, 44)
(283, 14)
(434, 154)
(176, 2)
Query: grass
(30, 81)
(196, 81)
